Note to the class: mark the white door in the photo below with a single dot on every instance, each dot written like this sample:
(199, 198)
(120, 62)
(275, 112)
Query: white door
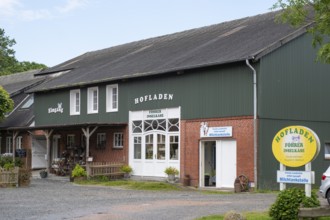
(155, 154)
(56, 139)
(226, 163)
(38, 153)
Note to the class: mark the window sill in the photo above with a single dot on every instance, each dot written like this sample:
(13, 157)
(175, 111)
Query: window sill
(118, 148)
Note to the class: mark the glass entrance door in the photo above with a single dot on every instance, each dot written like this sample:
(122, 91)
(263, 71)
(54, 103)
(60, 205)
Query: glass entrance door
(155, 154)
(154, 141)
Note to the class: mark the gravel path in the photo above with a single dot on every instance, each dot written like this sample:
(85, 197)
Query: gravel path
(55, 199)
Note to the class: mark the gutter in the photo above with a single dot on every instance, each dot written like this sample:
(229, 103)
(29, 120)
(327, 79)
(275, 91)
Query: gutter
(255, 101)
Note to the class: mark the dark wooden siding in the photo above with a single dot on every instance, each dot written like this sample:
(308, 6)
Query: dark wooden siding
(213, 93)
(292, 90)
(293, 85)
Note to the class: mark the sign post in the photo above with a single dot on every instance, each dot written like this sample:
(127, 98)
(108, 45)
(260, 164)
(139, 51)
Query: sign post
(296, 146)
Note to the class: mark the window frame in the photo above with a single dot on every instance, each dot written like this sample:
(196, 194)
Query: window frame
(110, 98)
(19, 142)
(120, 140)
(9, 144)
(72, 139)
(73, 102)
(101, 137)
(91, 102)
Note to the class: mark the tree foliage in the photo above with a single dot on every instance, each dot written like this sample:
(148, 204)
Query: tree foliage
(7, 103)
(313, 13)
(8, 63)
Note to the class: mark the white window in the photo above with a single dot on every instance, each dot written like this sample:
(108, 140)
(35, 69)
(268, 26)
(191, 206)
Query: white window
(101, 141)
(112, 98)
(92, 100)
(118, 140)
(70, 140)
(327, 150)
(137, 147)
(19, 142)
(9, 145)
(75, 102)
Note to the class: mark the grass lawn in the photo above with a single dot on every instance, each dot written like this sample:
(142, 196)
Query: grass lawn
(130, 184)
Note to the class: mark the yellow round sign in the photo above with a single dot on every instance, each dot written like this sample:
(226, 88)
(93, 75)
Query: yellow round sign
(295, 146)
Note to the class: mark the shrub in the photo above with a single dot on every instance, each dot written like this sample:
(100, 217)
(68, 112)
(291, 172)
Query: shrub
(287, 204)
(171, 171)
(9, 166)
(78, 171)
(9, 159)
(126, 169)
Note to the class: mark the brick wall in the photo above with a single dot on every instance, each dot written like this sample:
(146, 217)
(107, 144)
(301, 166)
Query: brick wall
(109, 153)
(106, 154)
(190, 139)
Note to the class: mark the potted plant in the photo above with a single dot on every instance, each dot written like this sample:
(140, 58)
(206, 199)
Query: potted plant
(171, 173)
(78, 173)
(127, 169)
(43, 173)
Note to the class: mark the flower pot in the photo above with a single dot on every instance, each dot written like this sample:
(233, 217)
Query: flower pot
(43, 174)
(171, 178)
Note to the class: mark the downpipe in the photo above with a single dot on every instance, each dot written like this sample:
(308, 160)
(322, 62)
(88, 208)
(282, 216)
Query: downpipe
(254, 120)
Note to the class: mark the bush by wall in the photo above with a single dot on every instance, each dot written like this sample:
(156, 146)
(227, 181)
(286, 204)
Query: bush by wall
(287, 204)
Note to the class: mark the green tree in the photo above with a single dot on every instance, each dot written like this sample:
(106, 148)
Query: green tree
(313, 13)
(8, 63)
(7, 103)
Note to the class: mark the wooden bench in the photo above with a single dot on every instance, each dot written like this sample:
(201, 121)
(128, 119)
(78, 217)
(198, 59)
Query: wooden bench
(112, 170)
(313, 212)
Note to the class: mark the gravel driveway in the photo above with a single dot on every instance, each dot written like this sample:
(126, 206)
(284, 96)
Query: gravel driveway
(58, 199)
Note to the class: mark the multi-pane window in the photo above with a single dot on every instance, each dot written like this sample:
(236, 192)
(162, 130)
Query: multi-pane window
(101, 140)
(112, 98)
(137, 126)
(118, 139)
(70, 140)
(92, 100)
(19, 142)
(161, 147)
(137, 148)
(174, 147)
(166, 146)
(149, 146)
(75, 102)
(9, 144)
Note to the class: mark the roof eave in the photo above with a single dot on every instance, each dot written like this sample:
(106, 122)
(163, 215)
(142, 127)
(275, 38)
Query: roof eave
(270, 48)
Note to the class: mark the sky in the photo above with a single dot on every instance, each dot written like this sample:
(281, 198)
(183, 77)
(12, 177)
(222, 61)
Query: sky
(53, 31)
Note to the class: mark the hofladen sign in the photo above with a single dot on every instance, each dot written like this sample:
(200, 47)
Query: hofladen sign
(295, 146)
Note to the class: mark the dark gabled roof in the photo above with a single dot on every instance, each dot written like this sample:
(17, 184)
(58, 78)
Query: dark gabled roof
(19, 117)
(19, 82)
(233, 41)
(16, 85)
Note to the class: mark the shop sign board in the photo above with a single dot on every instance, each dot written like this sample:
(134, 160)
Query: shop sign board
(155, 114)
(58, 109)
(296, 177)
(295, 146)
(206, 131)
